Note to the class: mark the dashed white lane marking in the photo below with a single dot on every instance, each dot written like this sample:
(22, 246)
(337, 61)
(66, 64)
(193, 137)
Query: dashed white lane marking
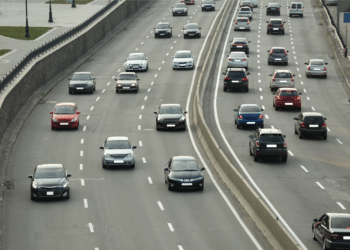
(263, 107)
(267, 117)
(139, 127)
(151, 31)
(142, 43)
(313, 109)
(140, 117)
(305, 90)
(82, 182)
(150, 180)
(96, 248)
(290, 34)
(259, 80)
(160, 205)
(159, 68)
(171, 47)
(143, 107)
(258, 41)
(328, 129)
(98, 98)
(301, 83)
(152, 83)
(294, 52)
(261, 97)
(140, 143)
(258, 67)
(84, 129)
(308, 98)
(292, 46)
(103, 91)
(88, 117)
(180, 247)
(341, 205)
(258, 61)
(304, 168)
(295, 57)
(113, 77)
(149, 90)
(147, 36)
(82, 141)
(319, 184)
(258, 35)
(171, 227)
(81, 166)
(81, 153)
(290, 152)
(86, 203)
(272, 127)
(163, 62)
(108, 83)
(118, 70)
(167, 54)
(299, 75)
(260, 89)
(155, 75)
(143, 159)
(297, 69)
(92, 108)
(258, 55)
(291, 43)
(258, 45)
(91, 228)
(145, 98)
(136, 49)
(179, 35)
(258, 74)
(339, 141)
(174, 41)
(258, 51)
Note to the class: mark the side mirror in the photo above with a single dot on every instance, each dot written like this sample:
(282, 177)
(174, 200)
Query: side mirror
(30, 176)
(324, 118)
(182, 28)
(250, 136)
(287, 50)
(247, 55)
(102, 148)
(138, 79)
(185, 112)
(284, 136)
(268, 51)
(202, 169)
(306, 63)
(133, 147)
(248, 73)
(231, 41)
(295, 118)
(51, 112)
(284, 21)
(227, 55)
(126, 59)
(326, 63)
(171, 27)
(315, 220)
(69, 78)
(146, 58)
(69, 175)
(166, 169)
(155, 112)
(223, 73)
(293, 74)
(262, 109)
(300, 93)
(78, 112)
(200, 28)
(267, 21)
(270, 75)
(235, 110)
(192, 56)
(93, 78)
(249, 42)
(115, 79)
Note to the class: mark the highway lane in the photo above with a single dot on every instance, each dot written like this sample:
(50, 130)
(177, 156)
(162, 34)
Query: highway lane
(122, 209)
(315, 178)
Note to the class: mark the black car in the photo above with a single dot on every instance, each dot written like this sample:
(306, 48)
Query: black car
(277, 55)
(192, 30)
(275, 26)
(268, 143)
(183, 172)
(163, 29)
(236, 78)
(180, 9)
(310, 123)
(82, 82)
(332, 230)
(49, 181)
(170, 116)
(239, 44)
(273, 8)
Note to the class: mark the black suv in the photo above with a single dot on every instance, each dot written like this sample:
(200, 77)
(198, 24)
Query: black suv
(236, 78)
(277, 55)
(240, 44)
(163, 30)
(275, 26)
(310, 123)
(273, 8)
(268, 143)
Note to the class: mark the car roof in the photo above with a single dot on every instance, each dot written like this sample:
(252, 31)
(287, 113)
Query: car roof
(65, 104)
(237, 53)
(138, 53)
(191, 24)
(163, 23)
(282, 71)
(273, 4)
(313, 60)
(236, 69)
(275, 19)
(338, 215)
(118, 138)
(269, 131)
(278, 48)
(127, 73)
(240, 38)
(288, 89)
(50, 166)
(183, 51)
(170, 104)
(312, 114)
(245, 18)
(183, 158)
(249, 105)
(80, 73)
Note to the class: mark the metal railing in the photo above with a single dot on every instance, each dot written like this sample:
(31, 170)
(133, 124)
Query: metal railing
(51, 44)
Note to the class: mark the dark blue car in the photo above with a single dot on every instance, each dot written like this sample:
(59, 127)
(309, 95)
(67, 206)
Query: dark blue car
(249, 115)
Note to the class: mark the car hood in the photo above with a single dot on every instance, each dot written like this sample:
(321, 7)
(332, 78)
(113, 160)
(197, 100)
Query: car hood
(162, 30)
(126, 81)
(63, 116)
(183, 60)
(170, 116)
(191, 30)
(50, 181)
(117, 151)
(185, 174)
(136, 61)
(81, 82)
(176, 9)
(249, 113)
(208, 4)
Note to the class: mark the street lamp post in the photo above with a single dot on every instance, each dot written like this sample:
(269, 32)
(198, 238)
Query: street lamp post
(50, 14)
(73, 4)
(27, 35)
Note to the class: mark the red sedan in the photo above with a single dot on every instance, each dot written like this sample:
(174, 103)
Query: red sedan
(65, 115)
(287, 98)
(188, 1)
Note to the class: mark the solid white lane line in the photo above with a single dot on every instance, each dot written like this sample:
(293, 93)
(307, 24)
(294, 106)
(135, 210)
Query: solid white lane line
(103, 91)
(82, 141)
(339, 141)
(98, 98)
(155, 75)
(86, 203)
(81, 166)
(341, 205)
(167, 54)
(84, 129)
(159, 68)
(149, 90)
(88, 117)
(290, 152)
(145, 98)
(143, 106)
(140, 117)
(180, 247)
(91, 228)
(267, 117)
(139, 127)
(308, 98)
(82, 182)
(319, 184)
(313, 109)
(108, 83)
(92, 108)
(160, 205)
(140, 143)
(150, 180)
(81, 153)
(304, 168)
(171, 227)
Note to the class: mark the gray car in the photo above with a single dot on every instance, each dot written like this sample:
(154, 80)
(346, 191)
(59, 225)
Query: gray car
(281, 79)
(180, 9)
(316, 67)
(136, 62)
(82, 82)
(331, 2)
(277, 55)
(118, 152)
(163, 29)
(127, 81)
(242, 23)
(208, 5)
(192, 30)
(245, 12)
(237, 60)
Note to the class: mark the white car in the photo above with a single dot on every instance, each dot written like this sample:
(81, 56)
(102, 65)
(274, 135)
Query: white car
(136, 62)
(183, 59)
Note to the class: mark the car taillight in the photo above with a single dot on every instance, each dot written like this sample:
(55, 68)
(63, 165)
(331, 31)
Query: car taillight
(278, 8)
(273, 78)
(268, 8)
(257, 144)
(236, 22)
(271, 52)
(245, 79)
(248, 22)
(233, 44)
(270, 24)
(244, 60)
(324, 125)
(333, 236)
(298, 98)
(292, 79)
(324, 69)
(281, 24)
(227, 78)
(261, 116)
(285, 144)
(308, 68)
(230, 59)
(240, 117)
(302, 125)
(250, 12)
(285, 52)
(278, 97)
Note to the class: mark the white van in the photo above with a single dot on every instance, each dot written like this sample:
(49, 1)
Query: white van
(255, 3)
(296, 9)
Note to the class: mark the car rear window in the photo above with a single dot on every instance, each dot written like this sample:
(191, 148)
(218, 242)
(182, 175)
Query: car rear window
(273, 5)
(127, 77)
(275, 21)
(316, 63)
(163, 26)
(245, 9)
(242, 20)
(117, 145)
(246, 3)
(294, 6)
(236, 74)
(180, 5)
(278, 51)
(184, 165)
(283, 75)
(343, 223)
(313, 119)
(237, 54)
(239, 42)
(289, 93)
(249, 109)
(271, 138)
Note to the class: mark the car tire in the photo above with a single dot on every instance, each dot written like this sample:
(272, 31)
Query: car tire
(169, 187)
(262, 125)
(136, 90)
(246, 89)
(133, 166)
(238, 126)
(202, 187)
(299, 109)
(155, 36)
(104, 166)
(52, 128)
(248, 51)
(307, 75)
(268, 32)
(225, 89)
(268, 62)
(290, 15)
(282, 32)
(246, 68)
(325, 76)
(286, 63)
(256, 158)
(117, 91)
(325, 136)
(324, 247)
(313, 235)
(186, 14)
(276, 108)
(173, 14)
(199, 35)
(284, 159)
(92, 91)
(250, 151)
(68, 196)
(302, 15)
(70, 92)
(273, 104)
(250, 18)
(295, 130)
(32, 197)
(301, 136)
(202, 10)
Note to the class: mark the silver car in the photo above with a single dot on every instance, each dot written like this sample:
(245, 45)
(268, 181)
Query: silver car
(242, 23)
(117, 152)
(281, 79)
(127, 81)
(296, 9)
(245, 12)
(237, 60)
(183, 59)
(316, 67)
(208, 5)
(180, 9)
(82, 82)
(136, 62)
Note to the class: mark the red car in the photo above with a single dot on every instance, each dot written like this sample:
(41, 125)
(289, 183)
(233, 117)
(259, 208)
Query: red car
(187, 1)
(287, 98)
(65, 115)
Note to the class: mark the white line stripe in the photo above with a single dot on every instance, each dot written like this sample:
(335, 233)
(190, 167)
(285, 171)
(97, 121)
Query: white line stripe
(84, 129)
(88, 117)
(180, 247)
(267, 117)
(163, 62)
(143, 160)
(305, 90)
(82, 182)
(119, 70)
(113, 77)
(261, 97)
(339, 141)
(82, 141)
(313, 109)
(150, 180)
(92, 108)
(319, 184)
(86, 203)
(98, 98)
(103, 91)
(91, 228)
(297, 69)
(159, 68)
(81, 166)
(341, 205)
(108, 83)
(260, 89)
(304, 168)
(152, 83)
(139, 127)
(290, 152)
(308, 98)
(272, 127)
(301, 83)
(167, 54)
(140, 143)
(140, 117)
(149, 90)
(145, 98)
(81, 153)
(155, 75)
(160, 205)
(171, 227)
(143, 106)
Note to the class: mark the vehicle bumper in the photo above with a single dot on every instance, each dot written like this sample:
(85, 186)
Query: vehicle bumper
(42, 193)
(178, 125)
(297, 13)
(236, 65)
(308, 131)
(71, 125)
(271, 153)
(179, 13)
(192, 34)
(241, 27)
(284, 105)
(208, 8)
(186, 185)
(258, 122)
(279, 30)
(126, 88)
(274, 12)
(87, 88)
(282, 85)
(316, 72)
(183, 66)
(276, 61)
(239, 85)
(139, 68)
(115, 162)
(163, 34)
(337, 245)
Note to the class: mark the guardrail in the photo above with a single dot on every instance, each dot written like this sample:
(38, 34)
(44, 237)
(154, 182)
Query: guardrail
(51, 44)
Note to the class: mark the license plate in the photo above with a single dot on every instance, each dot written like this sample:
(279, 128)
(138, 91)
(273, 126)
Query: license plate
(126, 87)
(278, 59)
(271, 146)
(317, 69)
(250, 122)
(162, 34)
(63, 123)
(288, 103)
(191, 34)
(313, 126)
(136, 67)
(239, 46)
(273, 8)
(283, 81)
(170, 125)
(346, 237)
(275, 28)
(80, 88)
(234, 81)
(118, 161)
(241, 28)
(208, 7)
(186, 184)
(49, 193)
(237, 60)
(179, 12)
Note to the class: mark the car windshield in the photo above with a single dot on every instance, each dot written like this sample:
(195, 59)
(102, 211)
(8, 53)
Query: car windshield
(246, 3)
(190, 165)
(271, 138)
(180, 5)
(283, 75)
(163, 26)
(245, 9)
(49, 173)
(191, 26)
(317, 63)
(170, 110)
(239, 42)
(289, 93)
(117, 145)
(275, 21)
(182, 55)
(81, 77)
(343, 223)
(136, 57)
(250, 109)
(313, 119)
(64, 110)
(278, 51)
(127, 77)
(242, 20)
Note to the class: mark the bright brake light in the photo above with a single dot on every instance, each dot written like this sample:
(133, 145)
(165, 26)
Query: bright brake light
(302, 125)
(227, 78)
(257, 144)
(324, 125)
(240, 117)
(233, 44)
(245, 79)
(308, 68)
(285, 144)
(261, 116)
(324, 69)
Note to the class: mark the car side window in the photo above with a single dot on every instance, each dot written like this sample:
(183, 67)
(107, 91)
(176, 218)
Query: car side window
(325, 221)
(169, 164)
(238, 107)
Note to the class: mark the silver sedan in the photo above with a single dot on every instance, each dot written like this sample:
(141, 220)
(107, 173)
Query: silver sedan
(237, 60)
(242, 23)
(316, 67)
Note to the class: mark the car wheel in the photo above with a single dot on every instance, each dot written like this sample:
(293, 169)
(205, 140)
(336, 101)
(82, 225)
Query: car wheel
(68, 195)
(104, 166)
(301, 136)
(286, 63)
(256, 158)
(246, 68)
(295, 131)
(214, 9)
(70, 92)
(155, 36)
(238, 126)
(248, 51)
(225, 89)
(325, 136)
(273, 104)
(246, 89)
(169, 187)
(199, 35)
(282, 32)
(276, 108)
(268, 62)
(202, 10)
(324, 246)
(92, 91)
(301, 15)
(133, 166)
(284, 159)
(173, 14)
(325, 76)
(32, 197)
(262, 125)
(185, 37)
(290, 15)
(52, 128)
(250, 18)
(307, 75)
(267, 32)
(299, 109)
(202, 187)
(250, 151)
(313, 235)
(117, 91)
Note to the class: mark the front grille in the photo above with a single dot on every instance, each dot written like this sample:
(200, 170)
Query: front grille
(64, 120)
(118, 156)
(162, 32)
(171, 120)
(44, 189)
(80, 85)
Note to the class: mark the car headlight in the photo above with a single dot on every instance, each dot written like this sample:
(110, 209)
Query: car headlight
(197, 31)
(119, 85)
(65, 184)
(175, 63)
(159, 119)
(175, 179)
(107, 156)
(74, 119)
(54, 120)
(185, 31)
(35, 185)
(197, 179)
(71, 83)
(128, 156)
(133, 84)
(89, 83)
(182, 119)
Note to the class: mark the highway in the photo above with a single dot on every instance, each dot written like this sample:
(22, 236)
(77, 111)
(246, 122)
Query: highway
(315, 178)
(124, 208)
